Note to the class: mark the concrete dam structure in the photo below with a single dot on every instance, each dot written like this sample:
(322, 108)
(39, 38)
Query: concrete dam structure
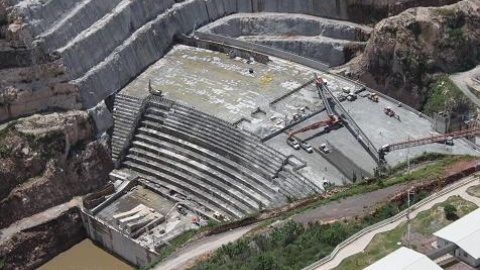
(201, 98)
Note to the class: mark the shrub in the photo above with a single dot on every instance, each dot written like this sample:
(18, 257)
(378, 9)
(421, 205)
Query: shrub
(450, 212)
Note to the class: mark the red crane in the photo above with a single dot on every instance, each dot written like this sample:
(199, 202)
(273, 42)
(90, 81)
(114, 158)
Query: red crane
(332, 118)
(330, 122)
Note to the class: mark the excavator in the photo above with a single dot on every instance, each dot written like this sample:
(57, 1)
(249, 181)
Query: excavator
(332, 118)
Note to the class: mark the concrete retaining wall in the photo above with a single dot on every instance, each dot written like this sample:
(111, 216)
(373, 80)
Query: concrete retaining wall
(115, 241)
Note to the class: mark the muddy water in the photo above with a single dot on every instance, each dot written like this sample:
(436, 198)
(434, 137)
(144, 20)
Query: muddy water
(85, 256)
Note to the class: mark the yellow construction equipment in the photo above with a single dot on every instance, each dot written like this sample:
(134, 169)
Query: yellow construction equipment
(373, 97)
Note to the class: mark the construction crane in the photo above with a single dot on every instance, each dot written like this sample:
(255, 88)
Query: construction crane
(328, 123)
(332, 118)
(442, 138)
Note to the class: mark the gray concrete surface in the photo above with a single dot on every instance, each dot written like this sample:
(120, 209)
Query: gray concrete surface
(215, 84)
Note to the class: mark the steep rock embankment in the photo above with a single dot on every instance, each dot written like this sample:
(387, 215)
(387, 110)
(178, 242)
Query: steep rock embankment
(325, 40)
(30, 248)
(46, 160)
(104, 44)
(406, 51)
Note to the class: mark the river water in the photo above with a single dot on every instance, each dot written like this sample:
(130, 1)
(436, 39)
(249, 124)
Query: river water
(85, 256)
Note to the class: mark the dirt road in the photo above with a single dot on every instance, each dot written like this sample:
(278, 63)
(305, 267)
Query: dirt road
(191, 252)
(349, 207)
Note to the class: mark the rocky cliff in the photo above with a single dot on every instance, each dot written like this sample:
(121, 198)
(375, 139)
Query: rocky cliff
(46, 160)
(87, 50)
(406, 51)
(30, 248)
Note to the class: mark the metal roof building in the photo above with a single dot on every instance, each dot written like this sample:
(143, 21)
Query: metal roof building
(465, 233)
(404, 259)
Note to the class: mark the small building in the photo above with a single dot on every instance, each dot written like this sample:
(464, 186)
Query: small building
(465, 234)
(404, 259)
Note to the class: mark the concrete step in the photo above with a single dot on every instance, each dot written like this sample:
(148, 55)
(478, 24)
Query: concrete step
(210, 171)
(249, 178)
(227, 133)
(207, 141)
(242, 150)
(196, 174)
(191, 196)
(145, 167)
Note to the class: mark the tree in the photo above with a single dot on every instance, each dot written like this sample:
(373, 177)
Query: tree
(450, 212)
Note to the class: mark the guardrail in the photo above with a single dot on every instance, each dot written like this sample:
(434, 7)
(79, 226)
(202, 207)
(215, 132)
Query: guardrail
(393, 219)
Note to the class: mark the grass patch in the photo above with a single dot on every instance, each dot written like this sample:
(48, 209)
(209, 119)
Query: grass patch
(422, 227)
(474, 191)
(445, 95)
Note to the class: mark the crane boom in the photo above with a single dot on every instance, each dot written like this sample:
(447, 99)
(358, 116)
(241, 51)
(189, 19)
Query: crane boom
(429, 140)
(320, 88)
(319, 124)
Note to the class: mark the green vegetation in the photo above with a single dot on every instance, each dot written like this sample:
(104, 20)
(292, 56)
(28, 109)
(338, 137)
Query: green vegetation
(415, 28)
(445, 12)
(422, 226)
(445, 95)
(454, 39)
(293, 246)
(450, 212)
(474, 191)
(165, 252)
(3, 261)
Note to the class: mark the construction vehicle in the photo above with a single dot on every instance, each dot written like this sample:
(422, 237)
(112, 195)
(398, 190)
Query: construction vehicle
(442, 138)
(373, 97)
(307, 147)
(324, 148)
(293, 142)
(352, 97)
(389, 111)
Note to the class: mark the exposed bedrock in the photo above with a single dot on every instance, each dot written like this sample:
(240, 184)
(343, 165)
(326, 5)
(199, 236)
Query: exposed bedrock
(309, 36)
(46, 160)
(30, 248)
(104, 44)
(406, 51)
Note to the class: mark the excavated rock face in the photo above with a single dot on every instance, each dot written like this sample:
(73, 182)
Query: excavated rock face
(32, 247)
(46, 160)
(372, 11)
(405, 51)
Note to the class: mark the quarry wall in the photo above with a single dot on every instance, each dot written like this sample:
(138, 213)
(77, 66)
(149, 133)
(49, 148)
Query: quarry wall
(105, 44)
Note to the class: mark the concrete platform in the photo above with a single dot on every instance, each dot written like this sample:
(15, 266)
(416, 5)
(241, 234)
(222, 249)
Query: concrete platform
(213, 83)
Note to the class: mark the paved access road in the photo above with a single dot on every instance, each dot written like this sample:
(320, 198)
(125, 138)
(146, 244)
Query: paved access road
(187, 255)
(361, 243)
